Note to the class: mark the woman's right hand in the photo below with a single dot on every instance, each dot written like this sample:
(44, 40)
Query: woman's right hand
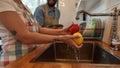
(68, 40)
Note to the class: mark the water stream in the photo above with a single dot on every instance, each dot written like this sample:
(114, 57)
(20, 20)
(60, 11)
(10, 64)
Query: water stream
(76, 52)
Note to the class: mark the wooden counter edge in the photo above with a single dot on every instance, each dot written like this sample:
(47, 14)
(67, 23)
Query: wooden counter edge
(28, 57)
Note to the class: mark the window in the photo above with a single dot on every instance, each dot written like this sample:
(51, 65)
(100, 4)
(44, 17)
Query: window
(32, 4)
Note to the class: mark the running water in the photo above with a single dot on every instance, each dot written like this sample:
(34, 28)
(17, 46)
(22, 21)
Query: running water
(76, 52)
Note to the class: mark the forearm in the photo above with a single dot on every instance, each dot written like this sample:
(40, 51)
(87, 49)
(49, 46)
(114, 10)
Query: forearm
(36, 38)
(51, 31)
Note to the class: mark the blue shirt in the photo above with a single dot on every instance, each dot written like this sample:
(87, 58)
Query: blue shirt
(39, 14)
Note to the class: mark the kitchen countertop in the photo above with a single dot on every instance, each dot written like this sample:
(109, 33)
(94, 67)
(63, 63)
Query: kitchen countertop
(24, 62)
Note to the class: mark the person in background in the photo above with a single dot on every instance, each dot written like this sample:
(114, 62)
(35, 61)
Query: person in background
(47, 14)
(20, 33)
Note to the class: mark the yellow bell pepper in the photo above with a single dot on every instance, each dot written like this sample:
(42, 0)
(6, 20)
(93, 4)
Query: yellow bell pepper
(79, 40)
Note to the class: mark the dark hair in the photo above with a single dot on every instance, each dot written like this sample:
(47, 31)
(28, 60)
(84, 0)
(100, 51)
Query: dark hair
(51, 5)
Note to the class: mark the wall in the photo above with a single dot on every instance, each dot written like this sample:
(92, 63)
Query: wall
(67, 9)
(106, 6)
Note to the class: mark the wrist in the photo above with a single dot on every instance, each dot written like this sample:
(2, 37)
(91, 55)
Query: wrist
(57, 38)
(60, 31)
(63, 32)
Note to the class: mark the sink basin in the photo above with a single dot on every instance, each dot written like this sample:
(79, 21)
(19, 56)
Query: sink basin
(91, 53)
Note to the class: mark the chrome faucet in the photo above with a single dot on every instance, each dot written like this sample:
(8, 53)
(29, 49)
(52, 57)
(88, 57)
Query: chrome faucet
(115, 41)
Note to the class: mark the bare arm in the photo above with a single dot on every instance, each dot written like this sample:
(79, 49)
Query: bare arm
(12, 21)
(53, 31)
(49, 31)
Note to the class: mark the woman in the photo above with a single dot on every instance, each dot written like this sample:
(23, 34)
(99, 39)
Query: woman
(20, 33)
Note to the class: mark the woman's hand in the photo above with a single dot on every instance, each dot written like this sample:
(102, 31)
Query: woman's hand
(73, 28)
(65, 31)
(68, 40)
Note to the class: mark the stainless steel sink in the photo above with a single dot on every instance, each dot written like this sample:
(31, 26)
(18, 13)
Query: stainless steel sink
(91, 53)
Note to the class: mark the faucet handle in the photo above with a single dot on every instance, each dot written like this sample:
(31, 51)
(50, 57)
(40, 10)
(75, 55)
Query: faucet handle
(116, 46)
